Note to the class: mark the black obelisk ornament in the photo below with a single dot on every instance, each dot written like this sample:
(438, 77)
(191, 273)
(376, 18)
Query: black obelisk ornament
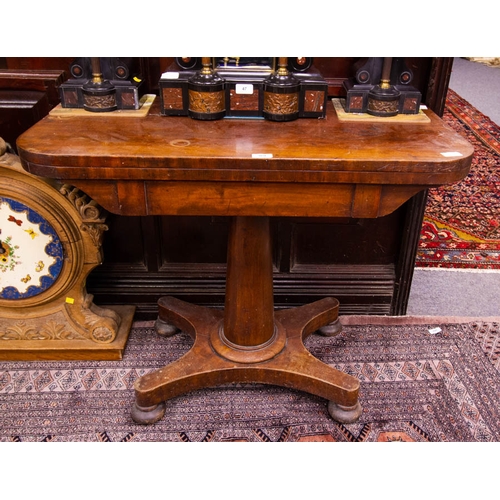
(99, 95)
(281, 94)
(206, 93)
(383, 99)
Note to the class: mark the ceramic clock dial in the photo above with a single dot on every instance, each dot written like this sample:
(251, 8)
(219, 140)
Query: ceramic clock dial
(31, 253)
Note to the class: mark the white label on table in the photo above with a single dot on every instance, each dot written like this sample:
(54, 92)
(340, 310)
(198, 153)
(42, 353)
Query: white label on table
(170, 75)
(451, 154)
(262, 155)
(244, 88)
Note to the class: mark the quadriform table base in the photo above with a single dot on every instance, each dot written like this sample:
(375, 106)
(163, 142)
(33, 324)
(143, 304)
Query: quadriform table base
(248, 341)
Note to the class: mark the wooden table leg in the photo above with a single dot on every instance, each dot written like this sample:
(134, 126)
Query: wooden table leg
(248, 341)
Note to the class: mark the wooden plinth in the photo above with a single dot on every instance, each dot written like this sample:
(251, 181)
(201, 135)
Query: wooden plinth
(71, 350)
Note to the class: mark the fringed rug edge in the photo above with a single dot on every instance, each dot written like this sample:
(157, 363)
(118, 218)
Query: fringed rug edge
(359, 320)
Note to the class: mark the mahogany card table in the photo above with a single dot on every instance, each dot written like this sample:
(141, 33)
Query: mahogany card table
(248, 170)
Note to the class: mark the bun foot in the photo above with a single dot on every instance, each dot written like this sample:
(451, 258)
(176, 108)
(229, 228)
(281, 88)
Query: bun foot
(148, 415)
(165, 329)
(331, 329)
(344, 414)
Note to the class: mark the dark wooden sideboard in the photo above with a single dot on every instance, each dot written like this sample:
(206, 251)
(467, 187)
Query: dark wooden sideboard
(366, 263)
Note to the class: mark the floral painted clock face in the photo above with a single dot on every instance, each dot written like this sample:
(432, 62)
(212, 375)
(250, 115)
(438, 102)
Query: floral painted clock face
(31, 254)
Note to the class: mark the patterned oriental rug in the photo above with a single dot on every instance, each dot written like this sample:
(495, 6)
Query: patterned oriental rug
(461, 227)
(420, 381)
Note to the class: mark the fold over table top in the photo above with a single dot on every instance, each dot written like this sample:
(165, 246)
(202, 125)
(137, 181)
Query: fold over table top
(245, 167)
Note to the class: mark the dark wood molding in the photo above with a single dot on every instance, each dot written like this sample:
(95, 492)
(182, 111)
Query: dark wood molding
(415, 208)
(26, 96)
(46, 81)
(439, 80)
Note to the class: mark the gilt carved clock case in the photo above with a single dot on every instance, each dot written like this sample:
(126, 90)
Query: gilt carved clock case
(50, 240)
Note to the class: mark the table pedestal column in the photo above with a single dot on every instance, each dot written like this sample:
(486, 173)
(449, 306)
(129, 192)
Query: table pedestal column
(248, 342)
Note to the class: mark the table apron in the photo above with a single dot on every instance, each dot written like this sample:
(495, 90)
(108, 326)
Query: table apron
(137, 198)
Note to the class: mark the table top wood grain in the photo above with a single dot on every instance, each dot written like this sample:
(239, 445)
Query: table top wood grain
(226, 160)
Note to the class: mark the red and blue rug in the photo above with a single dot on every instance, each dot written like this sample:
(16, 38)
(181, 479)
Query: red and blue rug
(461, 227)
